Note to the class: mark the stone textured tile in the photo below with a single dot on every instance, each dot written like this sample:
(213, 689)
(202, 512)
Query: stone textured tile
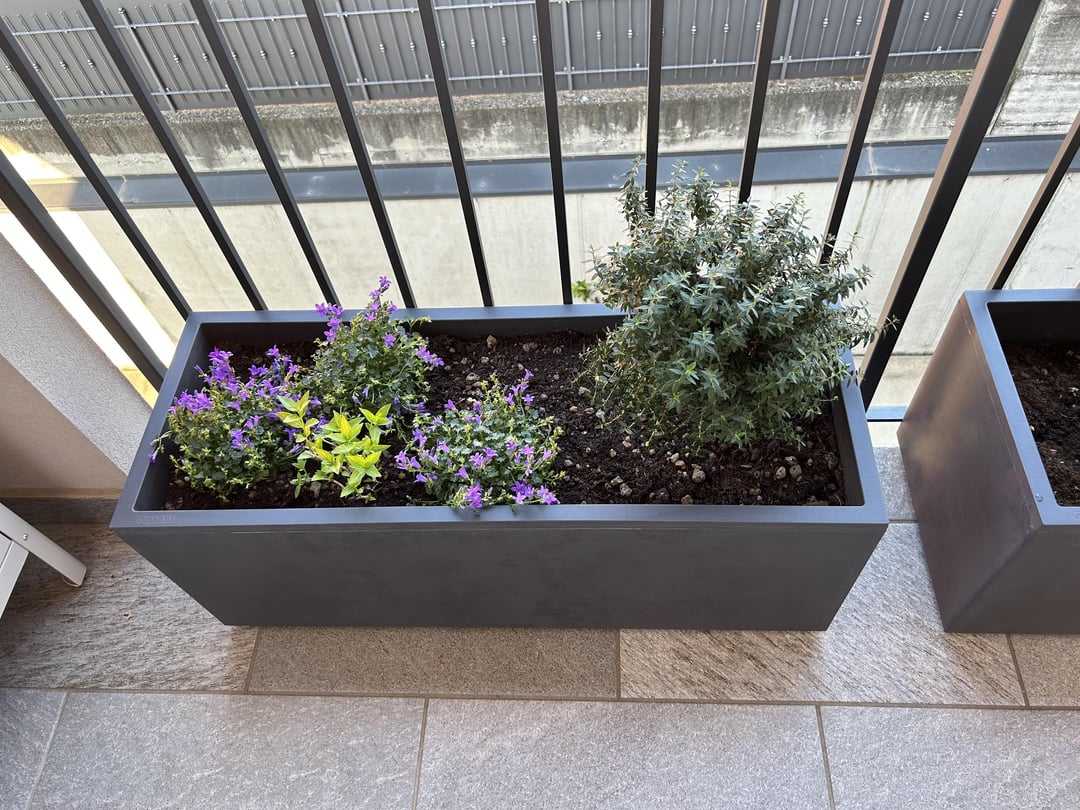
(440, 661)
(952, 758)
(1050, 667)
(894, 483)
(885, 645)
(232, 751)
(128, 626)
(518, 754)
(27, 720)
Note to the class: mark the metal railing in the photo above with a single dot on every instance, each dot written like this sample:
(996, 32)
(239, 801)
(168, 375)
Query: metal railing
(998, 58)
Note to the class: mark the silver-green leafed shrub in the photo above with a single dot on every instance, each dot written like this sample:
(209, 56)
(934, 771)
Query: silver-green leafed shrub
(733, 328)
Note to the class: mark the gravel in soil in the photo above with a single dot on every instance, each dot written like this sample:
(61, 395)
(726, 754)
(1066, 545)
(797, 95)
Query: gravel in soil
(1047, 378)
(601, 464)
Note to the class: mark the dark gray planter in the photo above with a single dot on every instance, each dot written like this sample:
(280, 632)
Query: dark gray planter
(719, 567)
(1004, 557)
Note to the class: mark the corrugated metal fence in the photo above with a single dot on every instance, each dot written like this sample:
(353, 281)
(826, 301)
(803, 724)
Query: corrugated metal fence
(488, 46)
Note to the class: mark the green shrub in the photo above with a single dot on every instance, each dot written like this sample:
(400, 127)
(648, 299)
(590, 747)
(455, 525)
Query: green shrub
(733, 328)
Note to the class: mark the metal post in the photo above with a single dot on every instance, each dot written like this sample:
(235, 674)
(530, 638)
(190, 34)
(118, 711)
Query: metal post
(988, 84)
(652, 117)
(27, 208)
(137, 85)
(890, 18)
(21, 65)
(790, 36)
(352, 48)
(336, 76)
(766, 39)
(150, 68)
(551, 108)
(453, 142)
(246, 106)
(1054, 175)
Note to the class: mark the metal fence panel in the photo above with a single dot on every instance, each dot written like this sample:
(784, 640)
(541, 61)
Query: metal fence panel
(489, 46)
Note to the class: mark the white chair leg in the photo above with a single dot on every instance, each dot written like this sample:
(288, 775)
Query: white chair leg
(25, 536)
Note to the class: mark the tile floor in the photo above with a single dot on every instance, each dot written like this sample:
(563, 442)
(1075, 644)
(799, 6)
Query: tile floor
(126, 694)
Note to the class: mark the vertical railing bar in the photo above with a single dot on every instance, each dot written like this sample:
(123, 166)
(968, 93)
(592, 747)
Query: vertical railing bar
(246, 106)
(887, 25)
(1059, 167)
(336, 75)
(56, 59)
(766, 39)
(22, 67)
(453, 142)
(790, 36)
(145, 57)
(551, 109)
(354, 57)
(567, 53)
(652, 109)
(31, 214)
(991, 77)
(138, 88)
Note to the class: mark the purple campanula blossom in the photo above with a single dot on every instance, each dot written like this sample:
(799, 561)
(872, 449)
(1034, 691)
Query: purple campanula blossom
(390, 339)
(474, 497)
(450, 406)
(546, 496)
(461, 473)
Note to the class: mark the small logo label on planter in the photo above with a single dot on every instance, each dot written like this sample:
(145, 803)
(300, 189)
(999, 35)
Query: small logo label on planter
(149, 519)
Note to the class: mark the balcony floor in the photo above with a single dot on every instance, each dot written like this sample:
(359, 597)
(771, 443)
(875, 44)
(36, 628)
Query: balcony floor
(125, 693)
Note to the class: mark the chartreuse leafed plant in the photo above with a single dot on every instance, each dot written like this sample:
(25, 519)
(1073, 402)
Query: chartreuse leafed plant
(371, 360)
(495, 449)
(733, 330)
(226, 434)
(343, 451)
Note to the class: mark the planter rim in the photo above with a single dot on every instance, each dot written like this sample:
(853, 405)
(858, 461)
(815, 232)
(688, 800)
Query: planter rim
(872, 509)
(979, 303)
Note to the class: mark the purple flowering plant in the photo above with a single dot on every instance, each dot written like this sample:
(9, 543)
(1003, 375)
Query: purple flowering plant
(371, 360)
(495, 450)
(227, 435)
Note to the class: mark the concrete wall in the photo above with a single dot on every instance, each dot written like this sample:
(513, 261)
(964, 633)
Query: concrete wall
(70, 421)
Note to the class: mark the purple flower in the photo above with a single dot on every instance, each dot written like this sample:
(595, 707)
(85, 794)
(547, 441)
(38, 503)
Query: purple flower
(527, 399)
(390, 339)
(511, 445)
(474, 497)
(450, 406)
(153, 454)
(273, 351)
(478, 461)
(401, 460)
(329, 310)
(384, 283)
(477, 405)
(258, 371)
(334, 324)
(425, 355)
(369, 315)
(219, 357)
(238, 442)
(548, 453)
(442, 448)
(461, 473)
(546, 496)
(423, 479)
(489, 454)
(522, 491)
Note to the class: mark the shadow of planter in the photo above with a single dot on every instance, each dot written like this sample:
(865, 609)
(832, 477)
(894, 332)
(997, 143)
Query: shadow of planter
(661, 566)
(1004, 557)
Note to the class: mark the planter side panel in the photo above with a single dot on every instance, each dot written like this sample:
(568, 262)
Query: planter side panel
(1037, 592)
(764, 577)
(972, 502)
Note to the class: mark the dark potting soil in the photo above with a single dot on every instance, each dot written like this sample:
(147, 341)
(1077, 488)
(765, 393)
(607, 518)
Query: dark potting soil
(1048, 381)
(600, 464)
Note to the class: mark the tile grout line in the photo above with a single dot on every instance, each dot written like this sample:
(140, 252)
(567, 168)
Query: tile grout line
(1019, 674)
(45, 754)
(251, 664)
(825, 756)
(420, 755)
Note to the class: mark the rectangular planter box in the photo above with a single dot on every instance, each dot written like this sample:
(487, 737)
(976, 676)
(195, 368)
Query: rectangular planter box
(663, 566)
(1004, 557)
